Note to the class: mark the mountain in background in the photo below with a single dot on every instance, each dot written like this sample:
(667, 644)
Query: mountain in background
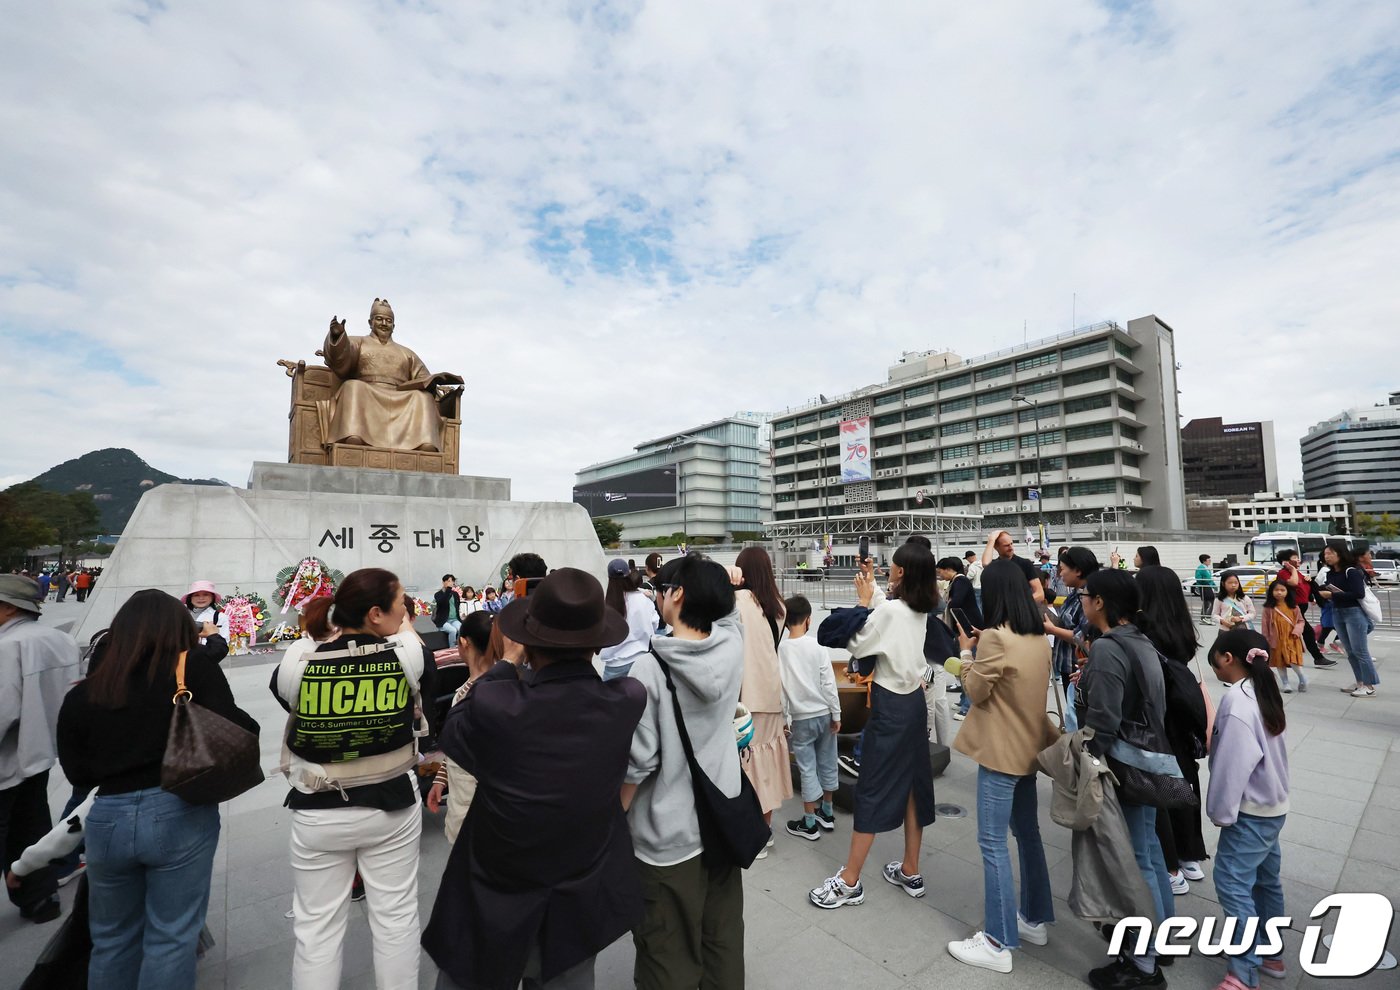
(116, 477)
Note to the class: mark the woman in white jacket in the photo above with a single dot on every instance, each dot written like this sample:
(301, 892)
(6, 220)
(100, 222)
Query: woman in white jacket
(896, 776)
(625, 598)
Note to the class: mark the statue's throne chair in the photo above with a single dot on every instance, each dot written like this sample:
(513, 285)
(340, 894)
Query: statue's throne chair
(314, 385)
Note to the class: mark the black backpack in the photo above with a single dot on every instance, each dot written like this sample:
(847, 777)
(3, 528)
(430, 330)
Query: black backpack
(1186, 710)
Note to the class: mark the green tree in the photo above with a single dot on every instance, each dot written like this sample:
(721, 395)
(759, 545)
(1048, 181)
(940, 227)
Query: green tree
(1365, 524)
(69, 517)
(1387, 527)
(609, 531)
(20, 529)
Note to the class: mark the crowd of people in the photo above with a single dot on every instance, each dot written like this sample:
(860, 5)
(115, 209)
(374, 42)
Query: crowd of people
(57, 583)
(612, 757)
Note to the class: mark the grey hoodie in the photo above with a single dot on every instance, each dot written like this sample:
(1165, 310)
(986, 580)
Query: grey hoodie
(707, 674)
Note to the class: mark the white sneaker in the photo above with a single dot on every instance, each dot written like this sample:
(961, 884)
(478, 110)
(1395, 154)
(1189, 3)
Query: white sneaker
(1179, 884)
(762, 853)
(1351, 687)
(1362, 691)
(1032, 934)
(1302, 687)
(1191, 870)
(977, 951)
(833, 893)
(1285, 689)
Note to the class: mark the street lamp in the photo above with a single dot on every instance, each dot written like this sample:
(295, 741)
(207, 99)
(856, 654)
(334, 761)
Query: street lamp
(1039, 488)
(821, 479)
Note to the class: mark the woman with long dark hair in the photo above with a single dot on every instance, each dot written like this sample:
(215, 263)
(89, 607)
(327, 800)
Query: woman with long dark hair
(150, 854)
(354, 796)
(766, 761)
(895, 786)
(1248, 796)
(626, 599)
(1345, 588)
(1122, 697)
(1166, 621)
(1004, 732)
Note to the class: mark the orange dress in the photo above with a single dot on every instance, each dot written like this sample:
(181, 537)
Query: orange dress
(1284, 636)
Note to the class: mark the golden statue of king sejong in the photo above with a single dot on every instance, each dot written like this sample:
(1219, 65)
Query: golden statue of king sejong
(386, 397)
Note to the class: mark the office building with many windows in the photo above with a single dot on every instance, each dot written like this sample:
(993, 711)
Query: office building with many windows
(1087, 421)
(1220, 459)
(711, 481)
(1356, 455)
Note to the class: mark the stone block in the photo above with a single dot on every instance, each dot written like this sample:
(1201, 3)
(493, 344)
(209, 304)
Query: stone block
(244, 537)
(382, 479)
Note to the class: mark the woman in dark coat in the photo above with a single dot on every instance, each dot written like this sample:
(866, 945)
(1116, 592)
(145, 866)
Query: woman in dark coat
(542, 876)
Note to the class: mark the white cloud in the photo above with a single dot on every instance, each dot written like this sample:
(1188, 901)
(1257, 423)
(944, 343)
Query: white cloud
(189, 195)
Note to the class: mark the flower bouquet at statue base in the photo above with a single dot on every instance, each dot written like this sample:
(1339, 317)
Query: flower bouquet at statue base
(246, 612)
(311, 578)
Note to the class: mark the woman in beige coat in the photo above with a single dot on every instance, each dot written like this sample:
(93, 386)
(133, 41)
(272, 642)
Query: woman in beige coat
(1005, 729)
(761, 610)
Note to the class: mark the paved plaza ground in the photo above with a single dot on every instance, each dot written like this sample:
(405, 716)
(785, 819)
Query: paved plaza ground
(1340, 836)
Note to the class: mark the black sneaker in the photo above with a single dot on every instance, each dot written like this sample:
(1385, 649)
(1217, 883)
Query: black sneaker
(849, 764)
(826, 821)
(1324, 662)
(1121, 974)
(802, 830)
(357, 889)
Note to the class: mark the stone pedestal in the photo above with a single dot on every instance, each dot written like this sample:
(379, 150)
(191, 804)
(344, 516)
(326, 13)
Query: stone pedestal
(420, 526)
(268, 476)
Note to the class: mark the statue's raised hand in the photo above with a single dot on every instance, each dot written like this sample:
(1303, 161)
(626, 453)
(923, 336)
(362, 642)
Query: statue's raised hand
(337, 328)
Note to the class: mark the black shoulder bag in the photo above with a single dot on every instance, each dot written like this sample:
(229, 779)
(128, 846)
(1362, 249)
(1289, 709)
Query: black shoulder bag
(732, 829)
(1142, 786)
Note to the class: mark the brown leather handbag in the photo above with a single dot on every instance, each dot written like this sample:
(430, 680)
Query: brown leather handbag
(208, 759)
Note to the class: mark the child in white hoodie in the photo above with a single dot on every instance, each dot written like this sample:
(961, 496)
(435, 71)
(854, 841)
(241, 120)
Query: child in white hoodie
(1248, 799)
(812, 710)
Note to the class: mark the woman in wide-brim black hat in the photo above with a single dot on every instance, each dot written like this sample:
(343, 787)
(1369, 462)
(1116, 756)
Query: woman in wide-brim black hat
(542, 876)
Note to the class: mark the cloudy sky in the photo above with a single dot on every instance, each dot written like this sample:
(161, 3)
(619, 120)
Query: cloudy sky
(618, 219)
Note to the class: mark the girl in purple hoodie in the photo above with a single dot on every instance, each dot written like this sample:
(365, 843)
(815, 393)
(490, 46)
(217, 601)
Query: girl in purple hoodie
(1248, 799)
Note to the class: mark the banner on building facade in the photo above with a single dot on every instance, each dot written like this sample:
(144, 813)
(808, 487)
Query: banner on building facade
(855, 450)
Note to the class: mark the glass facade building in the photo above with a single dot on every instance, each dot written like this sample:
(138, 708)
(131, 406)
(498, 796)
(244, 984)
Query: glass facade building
(1221, 460)
(1356, 455)
(720, 473)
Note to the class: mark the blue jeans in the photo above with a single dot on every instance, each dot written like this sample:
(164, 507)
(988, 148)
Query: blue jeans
(451, 627)
(1247, 881)
(1005, 801)
(813, 746)
(1352, 629)
(149, 856)
(1147, 850)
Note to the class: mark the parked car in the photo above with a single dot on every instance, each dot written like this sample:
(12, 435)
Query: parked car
(1385, 571)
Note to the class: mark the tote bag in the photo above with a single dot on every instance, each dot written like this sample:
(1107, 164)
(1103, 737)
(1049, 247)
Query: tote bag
(207, 759)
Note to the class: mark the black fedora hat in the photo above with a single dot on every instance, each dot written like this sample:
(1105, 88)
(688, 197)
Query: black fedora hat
(565, 610)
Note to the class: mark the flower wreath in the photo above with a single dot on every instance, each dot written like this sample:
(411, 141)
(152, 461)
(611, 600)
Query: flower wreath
(311, 578)
(246, 611)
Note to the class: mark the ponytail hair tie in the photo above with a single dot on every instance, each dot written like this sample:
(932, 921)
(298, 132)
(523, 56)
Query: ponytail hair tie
(1256, 653)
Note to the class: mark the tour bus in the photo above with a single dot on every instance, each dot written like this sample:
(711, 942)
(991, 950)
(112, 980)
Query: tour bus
(1264, 548)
